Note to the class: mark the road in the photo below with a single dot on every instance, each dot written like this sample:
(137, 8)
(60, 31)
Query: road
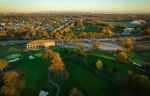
(107, 44)
(104, 46)
(67, 24)
(11, 42)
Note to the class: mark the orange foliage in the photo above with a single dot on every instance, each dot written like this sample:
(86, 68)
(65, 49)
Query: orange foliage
(12, 84)
(57, 63)
(3, 64)
(10, 78)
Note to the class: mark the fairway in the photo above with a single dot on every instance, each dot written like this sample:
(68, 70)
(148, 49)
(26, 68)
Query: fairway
(82, 73)
(35, 75)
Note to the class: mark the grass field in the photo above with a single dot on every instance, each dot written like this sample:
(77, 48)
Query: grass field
(35, 74)
(88, 81)
(82, 73)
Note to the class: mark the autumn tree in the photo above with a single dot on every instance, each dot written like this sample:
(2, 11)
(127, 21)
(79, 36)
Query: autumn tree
(96, 45)
(57, 63)
(83, 34)
(146, 31)
(3, 64)
(107, 32)
(128, 43)
(45, 34)
(47, 55)
(81, 46)
(57, 71)
(99, 64)
(75, 92)
(139, 84)
(69, 37)
(12, 84)
(122, 56)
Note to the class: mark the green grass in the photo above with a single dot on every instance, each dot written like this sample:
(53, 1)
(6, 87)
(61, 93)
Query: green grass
(35, 75)
(141, 57)
(109, 60)
(83, 79)
(89, 82)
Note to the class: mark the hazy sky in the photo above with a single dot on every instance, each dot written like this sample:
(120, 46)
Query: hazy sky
(114, 6)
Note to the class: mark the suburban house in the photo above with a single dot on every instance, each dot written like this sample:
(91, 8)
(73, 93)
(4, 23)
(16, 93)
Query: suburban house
(37, 44)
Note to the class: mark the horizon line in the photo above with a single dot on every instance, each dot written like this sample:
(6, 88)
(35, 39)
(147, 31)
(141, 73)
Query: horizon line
(77, 12)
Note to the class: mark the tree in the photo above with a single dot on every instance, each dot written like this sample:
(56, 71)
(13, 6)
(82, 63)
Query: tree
(3, 64)
(75, 92)
(122, 56)
(139, 84)
(57, 71)
(107, 32)
(146, 31)
(128, 43)
(99, 64)
(6, 91)
(47, 55)
(57, 63)
(83, 34)
(45, 34)
(81, 46)
(12, 84)
(96, 45)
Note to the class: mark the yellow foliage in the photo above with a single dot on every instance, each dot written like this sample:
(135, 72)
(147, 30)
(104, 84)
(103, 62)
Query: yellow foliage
(122, 57)
(128, 43)
(107, 32)
(3, 64)
(96, 45)
(99, 65)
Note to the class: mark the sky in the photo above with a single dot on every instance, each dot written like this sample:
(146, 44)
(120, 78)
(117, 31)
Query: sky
(94, 6)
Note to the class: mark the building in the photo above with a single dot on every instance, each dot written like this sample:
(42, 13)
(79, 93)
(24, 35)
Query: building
(132, 26)
(136, 23)
(38, 44)
(127, 31)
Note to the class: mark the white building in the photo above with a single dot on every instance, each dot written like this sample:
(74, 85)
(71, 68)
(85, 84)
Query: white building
(37, 44)
(136, 23)
(127, 31)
